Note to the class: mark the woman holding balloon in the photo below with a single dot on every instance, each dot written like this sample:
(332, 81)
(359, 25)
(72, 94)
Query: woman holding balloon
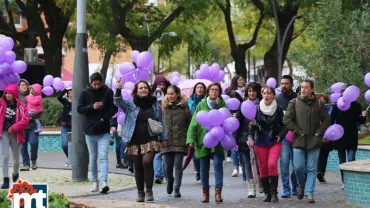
(199, 92)
(266, 133)
(207, 148)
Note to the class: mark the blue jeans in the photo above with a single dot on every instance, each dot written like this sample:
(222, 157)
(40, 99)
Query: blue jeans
(196, 163)
(98, 144)
(305, 161)
(63, 133)
(122, 151)
(158, 166)
(32, 138)
(120, 148)
(351, 154)
(238, 160)
(285, 157)
(218, 167)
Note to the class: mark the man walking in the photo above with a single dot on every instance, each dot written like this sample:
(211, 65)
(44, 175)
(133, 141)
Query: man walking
(96, 104)
(286, 156)
(308, 119)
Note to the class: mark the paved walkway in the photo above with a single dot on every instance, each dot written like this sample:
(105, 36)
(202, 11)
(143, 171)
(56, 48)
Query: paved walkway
(234, 192)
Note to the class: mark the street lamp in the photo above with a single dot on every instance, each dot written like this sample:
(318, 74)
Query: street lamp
(171, 34)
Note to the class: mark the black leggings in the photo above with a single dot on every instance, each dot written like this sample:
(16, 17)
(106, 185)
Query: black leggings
(144, 172)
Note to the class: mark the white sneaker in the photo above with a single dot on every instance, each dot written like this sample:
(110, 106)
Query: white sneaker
(240, 170)
(343, 187)
(228, 159)
(95, 187)
(235, 172)
(251, 188)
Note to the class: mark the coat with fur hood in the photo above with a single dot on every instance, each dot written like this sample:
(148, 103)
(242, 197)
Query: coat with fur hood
(177, 118)
(34, 102)
(21, 120)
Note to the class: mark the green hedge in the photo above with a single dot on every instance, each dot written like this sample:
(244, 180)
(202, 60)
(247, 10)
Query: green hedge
(52, 109)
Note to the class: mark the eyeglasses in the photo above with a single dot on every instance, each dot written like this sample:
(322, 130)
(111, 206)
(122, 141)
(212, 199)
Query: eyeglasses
(216, 90)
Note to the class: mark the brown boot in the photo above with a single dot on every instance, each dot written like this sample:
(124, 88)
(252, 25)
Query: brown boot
(218, 192)
(205, 195)
(140, 196)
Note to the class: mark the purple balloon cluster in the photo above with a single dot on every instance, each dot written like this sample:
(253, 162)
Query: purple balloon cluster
(367, 82)
(9, 67)
(120, 115)
(334, 132)
(219, 125)
(349, 95)
(129, 73)
(213, 72)
(175, 78)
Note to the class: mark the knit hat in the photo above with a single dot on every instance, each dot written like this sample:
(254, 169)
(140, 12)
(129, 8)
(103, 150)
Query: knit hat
(25, 81)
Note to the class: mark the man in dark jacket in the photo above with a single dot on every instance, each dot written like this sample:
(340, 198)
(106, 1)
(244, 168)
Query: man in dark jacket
(308, 119)
(349, 120)
(96, 104)
(286, 156)
(31, 137)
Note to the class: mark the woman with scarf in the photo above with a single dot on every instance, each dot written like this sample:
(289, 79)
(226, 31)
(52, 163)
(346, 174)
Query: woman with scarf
(199, 92)
(266, 133)
(142, 143)
(177, 118)
(13, 121)
(253, 94)
(233, 91)
(195, 136)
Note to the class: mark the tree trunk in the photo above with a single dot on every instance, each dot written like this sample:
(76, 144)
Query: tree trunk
(271, 56)
(104, 68)
(240, 64)
(53, 59)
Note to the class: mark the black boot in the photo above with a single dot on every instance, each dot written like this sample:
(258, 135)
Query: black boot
(15, 177)
(273, 188)
(266, 188)
(6, 183)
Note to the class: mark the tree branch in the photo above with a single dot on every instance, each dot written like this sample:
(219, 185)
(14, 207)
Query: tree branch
(259, 4)
(229, 25)
(165, 23)
(252, 42)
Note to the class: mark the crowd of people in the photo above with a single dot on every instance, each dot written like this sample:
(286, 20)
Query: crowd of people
(160, 129)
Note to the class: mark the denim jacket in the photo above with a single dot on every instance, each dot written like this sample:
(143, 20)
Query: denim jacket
(131, 111)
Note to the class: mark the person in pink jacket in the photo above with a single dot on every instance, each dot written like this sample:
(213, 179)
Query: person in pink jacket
(34, 105)
(13, 121)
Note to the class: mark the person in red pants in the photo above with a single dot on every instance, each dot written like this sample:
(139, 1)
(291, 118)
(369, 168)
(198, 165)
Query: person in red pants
(266, 132)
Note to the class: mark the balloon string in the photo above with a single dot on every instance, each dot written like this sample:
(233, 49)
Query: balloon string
(130, 72)
(368, 107)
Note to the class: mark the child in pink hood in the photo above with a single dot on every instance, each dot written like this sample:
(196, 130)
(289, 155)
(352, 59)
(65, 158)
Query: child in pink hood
(34, 105)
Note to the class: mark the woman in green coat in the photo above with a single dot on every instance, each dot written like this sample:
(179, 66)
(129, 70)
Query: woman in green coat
(195, 136)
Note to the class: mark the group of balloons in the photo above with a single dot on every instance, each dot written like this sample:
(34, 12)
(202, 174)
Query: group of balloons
(9, 67)
(213, 72)
(50, 83)
(175, 78)
(220, 127)
(349, 95)
(367, 82)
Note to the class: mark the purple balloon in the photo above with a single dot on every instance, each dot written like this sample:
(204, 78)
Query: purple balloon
(231, 124)
(126, 94)
(175, 74)
(367, 79)
(337, 87)
(225, 97)
(215, 117)
(221, 76)
(175, 80)
(2, 54)
(225, 113)
(4, 68)
(228, 142)
(209, 141)
(214, 70)
(367, 95)
(197, 74)
(134, 55)
(48, 80)
(240, 93)
(277, 92)
(334, 132)
(149, 67)
(142, 75)
(208, 127)
(14, 78)
(202, 118)
(217, 132)
(233, 103)
(351, 94)
(48, 91)
(128, 86)
(126, 68)
(343, 105)
(334, 97)
(144, 59)
(204, 70)
(271, 82)
(7, 43)
(67, 84)
(19, 67)
(58, 84)
(249, 109)
(10, 57)
(129, 78)
(121, 118)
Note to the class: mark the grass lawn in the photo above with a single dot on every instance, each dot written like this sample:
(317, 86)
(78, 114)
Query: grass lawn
(365, 140)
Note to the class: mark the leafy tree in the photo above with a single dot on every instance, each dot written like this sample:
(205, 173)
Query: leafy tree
(337, 47)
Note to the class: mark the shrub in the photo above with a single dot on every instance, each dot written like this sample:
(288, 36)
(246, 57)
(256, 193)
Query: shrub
(4, 200)
(51, 112)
